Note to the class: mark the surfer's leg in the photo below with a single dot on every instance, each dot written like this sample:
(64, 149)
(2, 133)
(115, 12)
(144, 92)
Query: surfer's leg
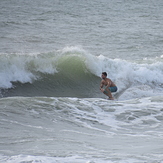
(108, 93)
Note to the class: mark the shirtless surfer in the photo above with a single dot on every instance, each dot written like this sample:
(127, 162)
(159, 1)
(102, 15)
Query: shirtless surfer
(109, 86)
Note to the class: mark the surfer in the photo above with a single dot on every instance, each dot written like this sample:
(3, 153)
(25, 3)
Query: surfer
(109, 86)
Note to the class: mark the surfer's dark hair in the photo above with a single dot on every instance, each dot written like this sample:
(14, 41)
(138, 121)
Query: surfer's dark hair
(104, 73)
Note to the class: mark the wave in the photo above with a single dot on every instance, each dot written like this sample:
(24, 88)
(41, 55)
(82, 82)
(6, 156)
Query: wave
(72, 71)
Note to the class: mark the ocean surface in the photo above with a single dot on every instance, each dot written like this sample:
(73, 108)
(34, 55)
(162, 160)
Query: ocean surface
(52, 54)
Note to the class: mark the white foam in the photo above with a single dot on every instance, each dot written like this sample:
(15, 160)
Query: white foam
(144, 79)
(95, 130)
(23, 68)
(36, 159)
(71, 159)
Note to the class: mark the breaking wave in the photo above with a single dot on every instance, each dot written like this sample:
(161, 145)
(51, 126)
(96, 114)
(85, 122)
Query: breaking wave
(74, 72)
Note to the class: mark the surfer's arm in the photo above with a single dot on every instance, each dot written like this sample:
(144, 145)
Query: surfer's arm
(101, 86)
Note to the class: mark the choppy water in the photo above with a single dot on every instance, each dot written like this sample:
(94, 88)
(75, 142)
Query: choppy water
(52, 54)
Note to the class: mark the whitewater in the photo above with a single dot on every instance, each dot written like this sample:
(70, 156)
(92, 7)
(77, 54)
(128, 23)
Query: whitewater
(52, 54)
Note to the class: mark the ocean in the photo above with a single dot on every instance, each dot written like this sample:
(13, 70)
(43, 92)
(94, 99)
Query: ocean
(52, 54)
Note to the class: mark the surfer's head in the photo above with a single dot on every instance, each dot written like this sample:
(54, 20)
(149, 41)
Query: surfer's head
(104, 75)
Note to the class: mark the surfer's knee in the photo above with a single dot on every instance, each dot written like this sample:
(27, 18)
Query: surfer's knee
(105, 92)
